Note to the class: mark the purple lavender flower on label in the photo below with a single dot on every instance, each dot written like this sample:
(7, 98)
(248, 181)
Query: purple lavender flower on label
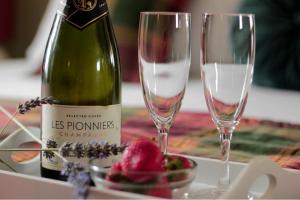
(98, 150)
(50, 154)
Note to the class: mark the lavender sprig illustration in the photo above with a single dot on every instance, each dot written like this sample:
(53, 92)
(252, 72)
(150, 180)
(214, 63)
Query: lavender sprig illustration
(33, 103)
(91, 150)
(50, 154)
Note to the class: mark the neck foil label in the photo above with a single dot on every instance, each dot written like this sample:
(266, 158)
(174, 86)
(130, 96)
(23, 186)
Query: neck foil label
(81, 13)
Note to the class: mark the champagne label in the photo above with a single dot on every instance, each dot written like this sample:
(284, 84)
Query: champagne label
(81, 13)
(81, 124)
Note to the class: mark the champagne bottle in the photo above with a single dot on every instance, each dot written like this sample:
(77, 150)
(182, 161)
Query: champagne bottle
(81, 71)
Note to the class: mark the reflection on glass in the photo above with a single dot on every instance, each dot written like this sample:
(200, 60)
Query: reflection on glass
(164, 60)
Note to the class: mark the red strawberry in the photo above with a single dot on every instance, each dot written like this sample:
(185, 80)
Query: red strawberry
(117, 167)
(142, 156)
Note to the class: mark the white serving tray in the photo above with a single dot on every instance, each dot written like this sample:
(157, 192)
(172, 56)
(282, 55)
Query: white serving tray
(19, 186)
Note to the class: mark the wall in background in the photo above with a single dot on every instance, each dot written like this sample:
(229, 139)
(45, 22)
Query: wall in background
(27, 16)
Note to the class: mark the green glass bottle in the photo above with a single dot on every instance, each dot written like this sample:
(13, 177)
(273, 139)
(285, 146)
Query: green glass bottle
(81, 70)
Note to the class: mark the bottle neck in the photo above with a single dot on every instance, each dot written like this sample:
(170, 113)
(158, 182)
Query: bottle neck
(81, 13)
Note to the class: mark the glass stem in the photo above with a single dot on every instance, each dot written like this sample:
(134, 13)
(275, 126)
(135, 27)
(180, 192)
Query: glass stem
(163, 140)
(225, 139)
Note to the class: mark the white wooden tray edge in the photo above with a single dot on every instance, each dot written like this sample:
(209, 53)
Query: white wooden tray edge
(20, 186)
(281, 183)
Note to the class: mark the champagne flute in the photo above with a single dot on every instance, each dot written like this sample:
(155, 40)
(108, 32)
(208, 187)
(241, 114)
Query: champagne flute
(164, 62)
(227, 60)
